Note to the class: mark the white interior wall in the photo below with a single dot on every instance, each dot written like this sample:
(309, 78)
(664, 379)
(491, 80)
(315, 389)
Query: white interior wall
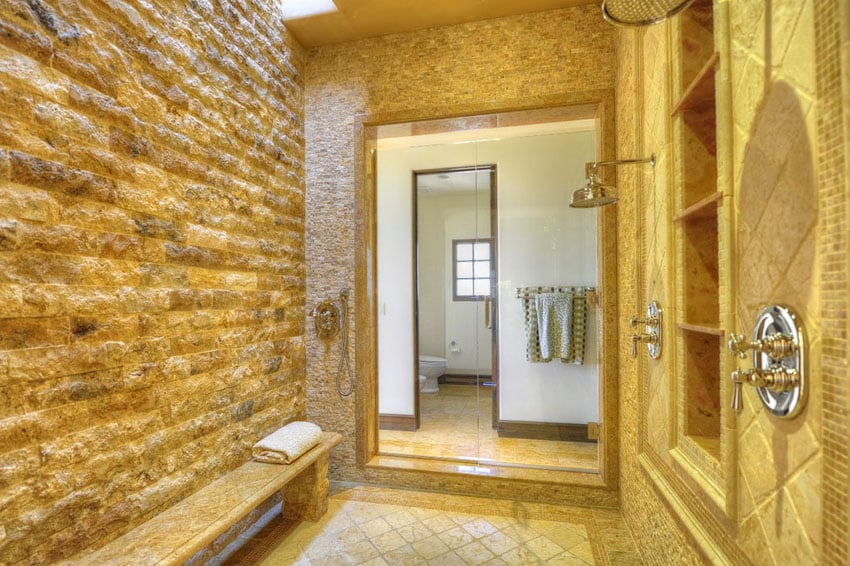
(432, 275)
(542, 242)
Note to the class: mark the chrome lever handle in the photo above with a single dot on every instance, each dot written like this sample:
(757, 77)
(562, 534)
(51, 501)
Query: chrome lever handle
(737, 392)
(778, 378)
(644, 338)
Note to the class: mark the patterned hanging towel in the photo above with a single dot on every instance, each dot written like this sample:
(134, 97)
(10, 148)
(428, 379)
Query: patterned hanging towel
(579, 331)
(578, 326)
(555, 324)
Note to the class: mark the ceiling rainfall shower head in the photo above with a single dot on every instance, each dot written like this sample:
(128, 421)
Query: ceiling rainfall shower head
(641, 12)
(594, 193)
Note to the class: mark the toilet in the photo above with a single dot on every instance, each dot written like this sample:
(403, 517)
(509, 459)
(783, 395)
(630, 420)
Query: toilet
(430, 369)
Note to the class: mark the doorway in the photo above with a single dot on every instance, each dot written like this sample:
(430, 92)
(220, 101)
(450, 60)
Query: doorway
(456, 265)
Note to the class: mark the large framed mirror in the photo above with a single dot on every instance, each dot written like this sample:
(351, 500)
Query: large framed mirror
(489, 294)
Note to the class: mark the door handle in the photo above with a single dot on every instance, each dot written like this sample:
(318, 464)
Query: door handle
(487, 313)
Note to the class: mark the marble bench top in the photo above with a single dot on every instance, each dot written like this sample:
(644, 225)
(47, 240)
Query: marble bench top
(179, 532)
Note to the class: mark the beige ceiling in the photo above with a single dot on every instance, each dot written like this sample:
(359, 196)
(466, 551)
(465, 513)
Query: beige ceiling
(358, 19)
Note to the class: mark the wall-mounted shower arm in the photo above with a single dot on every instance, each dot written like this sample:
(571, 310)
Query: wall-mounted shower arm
(593, 166)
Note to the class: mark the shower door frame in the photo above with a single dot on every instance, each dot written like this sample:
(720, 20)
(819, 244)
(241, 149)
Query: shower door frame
(494, 287)
(601, 486)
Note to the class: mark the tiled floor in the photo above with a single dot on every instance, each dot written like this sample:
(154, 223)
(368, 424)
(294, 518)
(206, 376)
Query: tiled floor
(381, 526)
(450, 428)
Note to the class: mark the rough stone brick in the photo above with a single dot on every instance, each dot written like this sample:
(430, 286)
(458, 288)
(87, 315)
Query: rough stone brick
(100, 105)
(64, 31)
(20, 333)
(40, 268)
(101, 162)
(17, 134)
(58, 118)
(83, 72)
(41, 173)
(32, 43)
(97, 329)
(157, 275)
(161, 228)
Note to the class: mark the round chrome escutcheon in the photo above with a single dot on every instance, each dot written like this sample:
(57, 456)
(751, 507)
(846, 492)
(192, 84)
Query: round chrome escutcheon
(779, 319)
(653, 311)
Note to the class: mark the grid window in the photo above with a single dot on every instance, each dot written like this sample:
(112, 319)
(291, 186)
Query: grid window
(471, 269)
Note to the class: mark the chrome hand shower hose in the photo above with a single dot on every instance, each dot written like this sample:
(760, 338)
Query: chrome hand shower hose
(344, 362)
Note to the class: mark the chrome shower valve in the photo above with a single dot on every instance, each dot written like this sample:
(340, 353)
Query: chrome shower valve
(651, 336)
(779, 372)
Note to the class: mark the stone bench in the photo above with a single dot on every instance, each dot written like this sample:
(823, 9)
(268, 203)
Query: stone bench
(178, 533)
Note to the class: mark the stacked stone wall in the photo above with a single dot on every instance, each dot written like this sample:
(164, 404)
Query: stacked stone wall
(152, 270)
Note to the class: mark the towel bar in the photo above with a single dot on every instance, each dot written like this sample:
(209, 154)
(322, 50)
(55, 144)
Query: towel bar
(589, 292)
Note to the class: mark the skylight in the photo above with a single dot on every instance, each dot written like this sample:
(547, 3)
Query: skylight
(294, 9)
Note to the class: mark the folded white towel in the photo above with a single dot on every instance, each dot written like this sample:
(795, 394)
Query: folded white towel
(286, 444)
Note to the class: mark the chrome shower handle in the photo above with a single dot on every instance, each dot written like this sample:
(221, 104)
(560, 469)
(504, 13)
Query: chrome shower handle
(776, 345)
(652, 335)
(651, 321)
(651, 339)
(777, 378)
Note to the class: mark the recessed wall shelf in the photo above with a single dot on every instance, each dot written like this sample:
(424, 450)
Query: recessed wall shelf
(700, 442)
(701, 209)
(699, 94)
(700, 329)
(697, 229)
(711, 444)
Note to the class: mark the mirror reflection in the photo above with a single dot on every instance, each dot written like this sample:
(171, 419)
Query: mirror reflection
(487, 279)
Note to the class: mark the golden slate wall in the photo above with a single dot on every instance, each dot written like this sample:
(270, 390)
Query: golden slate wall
(661, 539)
(151, 257)
(784, 66)
(472, 68)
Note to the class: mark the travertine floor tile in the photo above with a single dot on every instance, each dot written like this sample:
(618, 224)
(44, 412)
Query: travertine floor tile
(369, 525)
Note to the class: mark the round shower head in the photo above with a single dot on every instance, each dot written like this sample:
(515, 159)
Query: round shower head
(594, 194)
(641, 12)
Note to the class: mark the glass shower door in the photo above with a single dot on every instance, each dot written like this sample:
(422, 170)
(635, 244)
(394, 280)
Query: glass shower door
(548, 357)
(430, 291)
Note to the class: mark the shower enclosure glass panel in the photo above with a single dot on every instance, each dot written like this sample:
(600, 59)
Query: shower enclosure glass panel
(462, 224)
(419, 323)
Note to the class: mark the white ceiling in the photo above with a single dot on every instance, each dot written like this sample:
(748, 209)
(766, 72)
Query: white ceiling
(358, 19)
(453, 182)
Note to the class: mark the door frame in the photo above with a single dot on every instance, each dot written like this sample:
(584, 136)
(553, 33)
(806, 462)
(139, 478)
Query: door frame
(598, 104)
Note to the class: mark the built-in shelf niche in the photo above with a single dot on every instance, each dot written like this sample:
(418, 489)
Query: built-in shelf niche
(696, 229)
(700, 271)
(702, 366)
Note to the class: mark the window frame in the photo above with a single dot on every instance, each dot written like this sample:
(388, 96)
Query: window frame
(473, 241)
